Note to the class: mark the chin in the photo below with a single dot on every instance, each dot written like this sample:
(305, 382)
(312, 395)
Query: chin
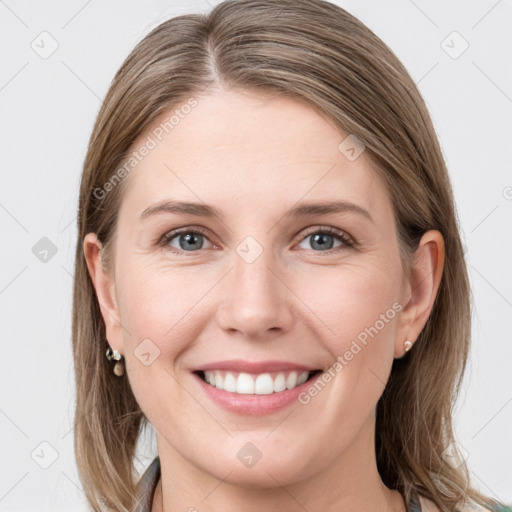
(268, 472)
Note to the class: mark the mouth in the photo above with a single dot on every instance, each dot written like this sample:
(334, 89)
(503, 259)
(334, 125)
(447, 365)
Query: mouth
(267, 383)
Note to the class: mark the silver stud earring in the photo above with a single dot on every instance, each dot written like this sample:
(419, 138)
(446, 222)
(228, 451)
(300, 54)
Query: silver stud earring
(407, 345)
(114, 355)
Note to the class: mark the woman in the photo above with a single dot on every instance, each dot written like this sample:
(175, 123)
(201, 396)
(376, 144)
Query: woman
(269, 272)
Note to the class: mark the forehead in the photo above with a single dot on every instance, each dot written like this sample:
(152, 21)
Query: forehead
(249, 151)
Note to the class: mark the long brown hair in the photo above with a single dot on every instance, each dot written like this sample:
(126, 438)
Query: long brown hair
(316, 52)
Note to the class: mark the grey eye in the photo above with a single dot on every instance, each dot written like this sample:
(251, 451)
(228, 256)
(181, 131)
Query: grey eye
(321, 241)
(187, 241)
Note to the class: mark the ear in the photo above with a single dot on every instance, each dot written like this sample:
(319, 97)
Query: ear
(420, 288)
(104, 285)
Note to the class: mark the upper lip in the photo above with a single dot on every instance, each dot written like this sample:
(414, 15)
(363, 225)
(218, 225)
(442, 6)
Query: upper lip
(239, 365)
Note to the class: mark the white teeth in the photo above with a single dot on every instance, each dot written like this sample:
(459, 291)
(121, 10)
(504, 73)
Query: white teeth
(303, 377)
(245, 384)
(279, 383)
(291, 380)
(219, 381)
(230, 382)
(262, 384)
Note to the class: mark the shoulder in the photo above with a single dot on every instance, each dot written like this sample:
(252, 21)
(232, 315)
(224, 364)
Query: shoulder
(430, 506)
(427, 505)
(146, 486)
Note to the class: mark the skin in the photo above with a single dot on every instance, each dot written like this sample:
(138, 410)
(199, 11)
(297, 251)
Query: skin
(253, 157)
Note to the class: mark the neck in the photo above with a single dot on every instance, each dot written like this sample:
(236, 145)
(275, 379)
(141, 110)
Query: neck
(350, 482)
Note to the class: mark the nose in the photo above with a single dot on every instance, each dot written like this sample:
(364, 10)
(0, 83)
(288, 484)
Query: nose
(256, 301)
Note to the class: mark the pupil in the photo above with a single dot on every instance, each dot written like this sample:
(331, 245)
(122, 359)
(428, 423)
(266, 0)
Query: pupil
(319, 239)
(189, 241)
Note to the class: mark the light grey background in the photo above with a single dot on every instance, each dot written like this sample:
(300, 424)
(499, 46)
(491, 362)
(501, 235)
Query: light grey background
(48, 106)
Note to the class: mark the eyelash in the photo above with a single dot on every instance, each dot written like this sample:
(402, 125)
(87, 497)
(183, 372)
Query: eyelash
(341, 235)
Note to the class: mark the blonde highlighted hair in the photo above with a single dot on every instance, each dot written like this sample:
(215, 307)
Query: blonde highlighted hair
(316, 52)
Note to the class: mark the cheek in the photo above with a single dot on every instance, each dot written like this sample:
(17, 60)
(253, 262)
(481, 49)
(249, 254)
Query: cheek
(350, 301)
(161, 305)
(360, 312)
(357, 304)
(160, 323)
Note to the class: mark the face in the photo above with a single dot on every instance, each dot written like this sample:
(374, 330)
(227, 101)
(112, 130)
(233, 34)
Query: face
(258, 293)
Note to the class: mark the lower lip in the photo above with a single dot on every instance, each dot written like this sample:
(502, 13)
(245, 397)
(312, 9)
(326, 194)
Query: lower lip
(254, 404)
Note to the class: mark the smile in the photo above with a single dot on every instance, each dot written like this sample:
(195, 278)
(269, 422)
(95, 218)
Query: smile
(256, 384)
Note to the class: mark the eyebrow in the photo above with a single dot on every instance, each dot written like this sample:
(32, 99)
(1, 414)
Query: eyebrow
(300, 210)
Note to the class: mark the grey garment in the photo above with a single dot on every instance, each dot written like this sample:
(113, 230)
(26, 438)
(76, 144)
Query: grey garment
(146, 486)
(149, 479)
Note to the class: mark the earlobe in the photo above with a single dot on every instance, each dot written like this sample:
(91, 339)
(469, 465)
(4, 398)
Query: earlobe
(422, 286)
(103, 283)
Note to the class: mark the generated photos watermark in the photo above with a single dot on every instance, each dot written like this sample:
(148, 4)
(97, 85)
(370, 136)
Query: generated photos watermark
(151, 142)
(343, 360)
